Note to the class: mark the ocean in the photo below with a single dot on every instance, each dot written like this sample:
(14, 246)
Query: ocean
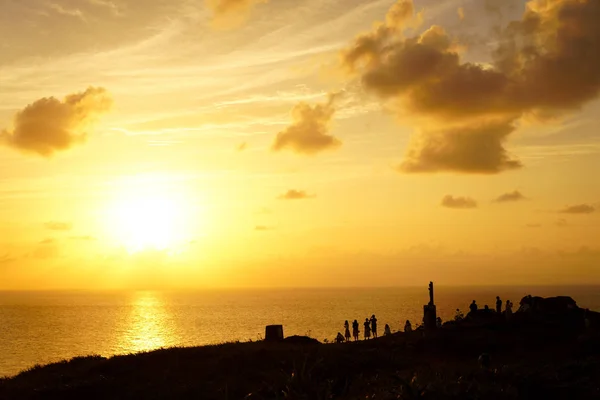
(45, 327)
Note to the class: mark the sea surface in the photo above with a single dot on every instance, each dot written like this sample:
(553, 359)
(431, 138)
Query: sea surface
(44, 327)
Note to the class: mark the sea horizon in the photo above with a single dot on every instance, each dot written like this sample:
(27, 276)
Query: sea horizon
(40, 327)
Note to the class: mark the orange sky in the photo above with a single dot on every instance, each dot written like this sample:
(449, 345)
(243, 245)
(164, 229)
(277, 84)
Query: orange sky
(236, 143)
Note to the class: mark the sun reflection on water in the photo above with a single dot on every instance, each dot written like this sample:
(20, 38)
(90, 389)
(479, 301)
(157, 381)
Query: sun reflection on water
(150, 325)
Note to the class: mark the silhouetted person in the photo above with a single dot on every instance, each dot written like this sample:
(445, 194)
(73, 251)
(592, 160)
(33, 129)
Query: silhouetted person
(355, 330)
(407, 327)
(473, 306)
(367, 325)
(508, 310)
(386, 330)
(339, 338)
(498, 305)
(347, 331)
(374, 325)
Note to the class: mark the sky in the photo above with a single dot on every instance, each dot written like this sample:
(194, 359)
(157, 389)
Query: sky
(298, 143)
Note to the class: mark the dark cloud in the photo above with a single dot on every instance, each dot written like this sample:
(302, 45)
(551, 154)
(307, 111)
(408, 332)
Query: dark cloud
(50, 125)
(295, 195)
(308, 134)
(578, 209)
(242, 146)
(458, 202)
(510, 197)
(469, 149)
(547, 63)
(231, 13)
(58, 226)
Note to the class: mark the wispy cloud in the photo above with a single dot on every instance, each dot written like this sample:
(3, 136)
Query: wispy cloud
(295, 195)
(458, 202)
(112, 6)
(578, 209)
(71, 12)
(510, 197)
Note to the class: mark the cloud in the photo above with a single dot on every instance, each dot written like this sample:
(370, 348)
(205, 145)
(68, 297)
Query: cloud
(468, 149)
(295, 195)
(242, 146)
(578, 209)
(308, 134)
(58, 226)
(546, 63)
(262, 228)
(67, 11)
(458, 202)
(561, 223)
(533, 225)
(510, 197)
(229, 14)
(48, 241)
(50, 125)
(113, 7)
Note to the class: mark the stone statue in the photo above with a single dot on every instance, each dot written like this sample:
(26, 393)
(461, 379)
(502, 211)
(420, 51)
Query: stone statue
(430, 293)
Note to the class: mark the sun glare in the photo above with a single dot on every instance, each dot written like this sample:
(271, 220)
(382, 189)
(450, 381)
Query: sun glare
(143, 219)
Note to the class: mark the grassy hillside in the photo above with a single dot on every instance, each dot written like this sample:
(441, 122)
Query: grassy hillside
(532, 362)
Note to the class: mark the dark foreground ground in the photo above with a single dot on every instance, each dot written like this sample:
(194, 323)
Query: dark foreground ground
(531, 361)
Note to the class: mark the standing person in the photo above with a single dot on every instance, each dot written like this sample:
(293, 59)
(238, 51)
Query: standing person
(347, 331)
(498, 305)
(367, 325)
(407, 327)
(473, 306)
(355, 330)
(374, 325)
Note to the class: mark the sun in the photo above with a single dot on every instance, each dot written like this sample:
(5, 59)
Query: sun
(150, 219)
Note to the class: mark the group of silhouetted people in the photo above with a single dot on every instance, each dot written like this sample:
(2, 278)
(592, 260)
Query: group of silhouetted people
(369, 330)
(507, 310)
(370, 324)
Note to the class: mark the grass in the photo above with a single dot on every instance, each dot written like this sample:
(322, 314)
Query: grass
(528, 362)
